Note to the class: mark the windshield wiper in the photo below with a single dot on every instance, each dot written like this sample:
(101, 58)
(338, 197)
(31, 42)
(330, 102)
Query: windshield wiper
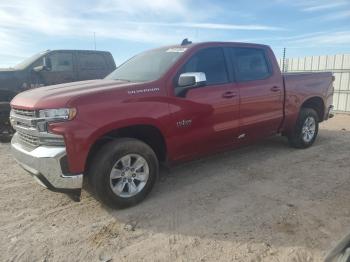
(126, 80)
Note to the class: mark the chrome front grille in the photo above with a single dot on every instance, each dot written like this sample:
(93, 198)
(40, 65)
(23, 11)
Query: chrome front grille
(31, 130)
(24, 112)
(30, 140)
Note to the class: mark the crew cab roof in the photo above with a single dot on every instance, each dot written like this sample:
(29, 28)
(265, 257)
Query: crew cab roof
(73, 50)
(209, 44)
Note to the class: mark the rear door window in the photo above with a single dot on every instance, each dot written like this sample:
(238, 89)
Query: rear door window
(91, 61)
(210, 61)
(250, 64)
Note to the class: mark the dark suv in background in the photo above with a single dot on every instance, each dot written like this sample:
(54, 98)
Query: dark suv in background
(49, 68)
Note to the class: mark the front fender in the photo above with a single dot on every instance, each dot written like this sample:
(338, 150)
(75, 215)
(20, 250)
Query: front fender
(108, 128)
(80, 137)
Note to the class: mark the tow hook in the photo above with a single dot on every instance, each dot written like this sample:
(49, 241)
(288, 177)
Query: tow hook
(75, 194)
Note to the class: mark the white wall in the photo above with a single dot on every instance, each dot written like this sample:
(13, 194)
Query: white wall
(338, 64)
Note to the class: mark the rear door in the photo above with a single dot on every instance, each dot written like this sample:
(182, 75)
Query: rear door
(261, 93)
(207, 117)
(91, 65)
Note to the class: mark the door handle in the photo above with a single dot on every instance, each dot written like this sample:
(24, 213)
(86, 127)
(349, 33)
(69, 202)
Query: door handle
(275, 89)
(229, 94)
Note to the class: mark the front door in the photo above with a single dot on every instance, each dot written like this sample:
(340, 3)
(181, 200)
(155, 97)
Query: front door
(206, 118)
(61, 68)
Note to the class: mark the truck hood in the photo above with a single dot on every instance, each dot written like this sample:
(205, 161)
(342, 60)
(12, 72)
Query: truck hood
(58, 96)
(9, 69)
(7, 73)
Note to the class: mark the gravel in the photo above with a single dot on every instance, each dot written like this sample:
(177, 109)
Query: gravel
(265, 202)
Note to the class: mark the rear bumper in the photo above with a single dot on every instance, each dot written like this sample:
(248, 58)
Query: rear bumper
(47, 165)
(330, 112)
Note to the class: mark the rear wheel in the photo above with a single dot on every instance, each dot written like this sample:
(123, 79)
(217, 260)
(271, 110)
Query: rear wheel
(123, 172)
(306, 129)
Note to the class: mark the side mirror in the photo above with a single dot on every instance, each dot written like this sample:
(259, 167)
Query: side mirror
(45, 67)
(188, 81)
(47, 63)
(38, 69)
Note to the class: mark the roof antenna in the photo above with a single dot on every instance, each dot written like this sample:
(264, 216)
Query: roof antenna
(95, 40)
(284, 61)
(186, 42)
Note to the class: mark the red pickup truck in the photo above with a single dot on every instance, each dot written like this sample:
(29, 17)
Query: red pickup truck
(165, 105)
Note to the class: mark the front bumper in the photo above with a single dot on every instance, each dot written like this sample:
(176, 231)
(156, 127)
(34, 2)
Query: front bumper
(47, 164)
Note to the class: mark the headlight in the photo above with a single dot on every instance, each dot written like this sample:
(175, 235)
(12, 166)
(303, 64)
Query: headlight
(58, 114)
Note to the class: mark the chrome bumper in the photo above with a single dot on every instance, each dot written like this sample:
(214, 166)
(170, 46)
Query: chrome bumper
(330, 113)
(46, 165)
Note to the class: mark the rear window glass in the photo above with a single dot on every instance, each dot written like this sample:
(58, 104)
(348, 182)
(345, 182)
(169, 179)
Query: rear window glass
(91, 61)
(250, 63)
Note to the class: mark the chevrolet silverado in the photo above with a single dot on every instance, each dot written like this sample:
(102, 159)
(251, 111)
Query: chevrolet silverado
(166, 105)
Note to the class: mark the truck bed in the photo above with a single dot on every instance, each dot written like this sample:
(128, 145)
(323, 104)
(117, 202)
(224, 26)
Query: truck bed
(300, 86)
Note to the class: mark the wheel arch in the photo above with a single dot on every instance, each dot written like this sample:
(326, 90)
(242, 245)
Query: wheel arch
(7, 95)
(147, 133)
(316, 103)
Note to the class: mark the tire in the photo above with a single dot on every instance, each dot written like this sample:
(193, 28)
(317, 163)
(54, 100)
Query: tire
(300, 138)
(6, 96)
(114, 157)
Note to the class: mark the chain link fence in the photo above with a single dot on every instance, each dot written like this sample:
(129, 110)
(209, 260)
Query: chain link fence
(338, 64)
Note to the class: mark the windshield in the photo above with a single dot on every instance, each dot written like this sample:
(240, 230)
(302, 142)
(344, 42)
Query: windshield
(28, 61)
(147, 66)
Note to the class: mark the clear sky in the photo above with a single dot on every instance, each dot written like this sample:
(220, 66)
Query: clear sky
(126, 27)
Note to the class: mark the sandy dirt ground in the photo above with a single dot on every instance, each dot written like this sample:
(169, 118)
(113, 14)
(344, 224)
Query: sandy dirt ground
(266, 202)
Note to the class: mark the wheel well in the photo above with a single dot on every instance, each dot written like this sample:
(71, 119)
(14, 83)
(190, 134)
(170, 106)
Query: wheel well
(317, 104)
(6, 96)
(5, 109)
(146, 133)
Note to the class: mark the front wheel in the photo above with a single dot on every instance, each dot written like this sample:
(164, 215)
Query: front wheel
(123, 172)
(306, 129)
